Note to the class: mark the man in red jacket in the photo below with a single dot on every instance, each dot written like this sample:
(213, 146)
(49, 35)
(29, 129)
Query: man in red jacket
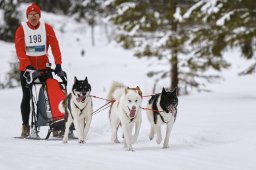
(32, 40)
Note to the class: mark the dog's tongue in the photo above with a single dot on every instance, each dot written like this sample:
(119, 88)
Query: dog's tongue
(132, 113)
(79, 99)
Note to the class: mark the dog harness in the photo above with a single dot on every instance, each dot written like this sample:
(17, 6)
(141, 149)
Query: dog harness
(154, 106)
(69, 108)
(81, 110)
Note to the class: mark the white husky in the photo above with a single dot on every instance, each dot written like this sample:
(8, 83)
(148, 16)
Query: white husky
(77, 107)
(125, 112)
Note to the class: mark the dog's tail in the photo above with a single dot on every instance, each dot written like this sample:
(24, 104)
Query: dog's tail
(114, 93)
(61, 106)
(64, 104)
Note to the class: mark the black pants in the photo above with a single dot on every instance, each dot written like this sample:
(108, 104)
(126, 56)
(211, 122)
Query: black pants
(25, 102)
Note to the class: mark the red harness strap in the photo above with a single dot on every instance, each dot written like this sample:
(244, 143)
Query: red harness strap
(151, 109)
(108, 104)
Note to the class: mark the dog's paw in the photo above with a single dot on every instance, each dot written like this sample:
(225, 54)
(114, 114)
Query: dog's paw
(65, 141)
(151, 135)
(116, 141)
(165, 146)
(129, 149)
(158, 140)
(81, 141)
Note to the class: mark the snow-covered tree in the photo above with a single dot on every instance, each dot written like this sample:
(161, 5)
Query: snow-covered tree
(225, 24)
(155, 29)
(89, 11)
(12, 78)
(10, 21)
(59, 6)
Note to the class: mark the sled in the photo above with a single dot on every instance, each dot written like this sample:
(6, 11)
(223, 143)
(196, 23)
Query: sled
(45, 102)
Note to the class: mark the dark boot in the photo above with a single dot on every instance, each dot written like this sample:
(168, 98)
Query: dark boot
(25, 130)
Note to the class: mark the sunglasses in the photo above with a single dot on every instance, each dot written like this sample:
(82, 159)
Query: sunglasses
(33, 15)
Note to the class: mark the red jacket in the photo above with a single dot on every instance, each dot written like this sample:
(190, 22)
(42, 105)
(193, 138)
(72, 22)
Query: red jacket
(39, 62)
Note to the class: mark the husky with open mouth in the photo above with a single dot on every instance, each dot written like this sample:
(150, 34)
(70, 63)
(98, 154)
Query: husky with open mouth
(162, 109)
(77, 107)
(125, 112)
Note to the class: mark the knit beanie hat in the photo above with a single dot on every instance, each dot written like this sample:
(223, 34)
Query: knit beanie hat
(33, 7)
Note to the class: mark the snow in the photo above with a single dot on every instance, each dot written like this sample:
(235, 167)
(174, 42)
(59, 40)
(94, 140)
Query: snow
(212, 131)
(125, 6)
(177, 15)
(162, 41)
(225, 18)
(194, 7)
(206, 7)
(211, 7)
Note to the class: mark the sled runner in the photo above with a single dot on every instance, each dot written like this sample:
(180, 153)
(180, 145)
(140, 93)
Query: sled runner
(38, 138)
(45, 102)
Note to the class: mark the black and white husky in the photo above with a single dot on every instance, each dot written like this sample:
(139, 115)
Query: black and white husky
(125, 112)
(162, 110)
(77, 107)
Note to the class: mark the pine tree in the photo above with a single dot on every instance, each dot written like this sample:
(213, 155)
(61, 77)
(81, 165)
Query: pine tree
(156, 29)
(226, 25)
(11, 20)
(12, 78)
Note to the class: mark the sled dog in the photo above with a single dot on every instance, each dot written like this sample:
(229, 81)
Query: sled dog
(125, 112)
(162, 109)
(77, 107)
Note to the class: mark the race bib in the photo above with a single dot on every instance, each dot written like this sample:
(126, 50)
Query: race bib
(35, 40)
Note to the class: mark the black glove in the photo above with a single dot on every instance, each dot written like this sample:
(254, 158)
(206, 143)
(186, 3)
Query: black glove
(30, 67)
(62, 74)
(57, 69)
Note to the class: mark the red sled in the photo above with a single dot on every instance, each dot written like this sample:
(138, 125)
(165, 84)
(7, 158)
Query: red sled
(45, 107)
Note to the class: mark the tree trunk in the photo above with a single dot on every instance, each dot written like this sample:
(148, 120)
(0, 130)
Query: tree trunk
(92, 25)
(174, 68)
(106, 32)
(174, 51)
(92, 34)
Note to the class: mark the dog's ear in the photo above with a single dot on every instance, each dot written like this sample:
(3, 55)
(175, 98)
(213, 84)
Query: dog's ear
(175, 91)
(75, 80)
(126, 90)
(163, 91)
(139, 91)
(86, 81)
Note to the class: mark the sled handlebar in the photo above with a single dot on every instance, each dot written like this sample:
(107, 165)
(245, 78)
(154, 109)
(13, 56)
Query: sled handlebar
(32, 75)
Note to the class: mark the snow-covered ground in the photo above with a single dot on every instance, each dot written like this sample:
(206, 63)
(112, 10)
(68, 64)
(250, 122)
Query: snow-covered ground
(213, 131)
